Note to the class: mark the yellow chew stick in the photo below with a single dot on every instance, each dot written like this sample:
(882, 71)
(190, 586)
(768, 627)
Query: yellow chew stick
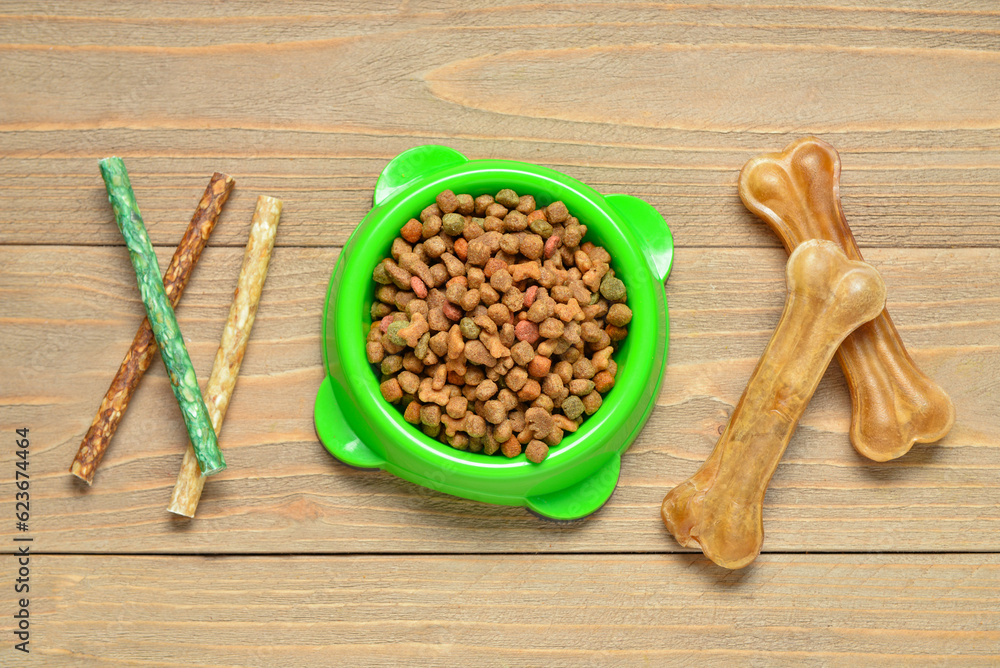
(190, 481)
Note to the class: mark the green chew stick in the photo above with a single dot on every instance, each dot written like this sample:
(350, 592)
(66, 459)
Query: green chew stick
(161, 317)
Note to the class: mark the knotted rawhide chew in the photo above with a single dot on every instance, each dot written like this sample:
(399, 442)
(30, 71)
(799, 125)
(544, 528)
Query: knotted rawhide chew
(140, 355)
(187, 490)
(719, 508)
(161, 316)
(894, 404)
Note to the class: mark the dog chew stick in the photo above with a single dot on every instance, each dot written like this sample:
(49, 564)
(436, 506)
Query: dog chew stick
(720, 508)
(140, 355)
(161, 316)
(218, 392)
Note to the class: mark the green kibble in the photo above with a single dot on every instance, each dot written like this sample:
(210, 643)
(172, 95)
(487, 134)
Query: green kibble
(572, 407)
(481, 222)
(470, 329)
(508, 198)
(380, 310)
(393, 332)
(453, 224)
(541, 227)
(613, 289)
(380, 275)
(423, 346)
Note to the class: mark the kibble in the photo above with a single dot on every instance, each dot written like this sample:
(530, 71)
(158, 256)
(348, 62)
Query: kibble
(494, 323)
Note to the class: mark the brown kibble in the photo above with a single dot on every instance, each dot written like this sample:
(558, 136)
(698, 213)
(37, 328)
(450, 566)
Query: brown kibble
(456, 407)
(485, 390)
(515, 221)
(551, 328)
(525, 270)
(432, 210)
(536, 451)
(603, 382)
(619, 315)
(581, 387)
(615, 333)
(522, 352)
(530, 391)
(496, 210)
(494, 411)
(470, 300)
(602, 358)
(412, 412)
(475, 425)
(477, 353)
(583, 368)
(431, 226)
(501, 279)
(435, 247)
(478, 254)
(555, 436)
(447, 201)
(481, 204)
(590, 331)
(492, 224)
(488, 295)
(375, 352)
(556, 212)
(466, 205)
(391, 391)
(430, 415)
(532, 246)
(511, 448)
(539, 421)
(409, 382)
(592, 402)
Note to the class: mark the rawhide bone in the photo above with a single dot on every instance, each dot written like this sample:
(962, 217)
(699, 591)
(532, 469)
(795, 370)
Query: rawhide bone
(719, 508)
(797, 193)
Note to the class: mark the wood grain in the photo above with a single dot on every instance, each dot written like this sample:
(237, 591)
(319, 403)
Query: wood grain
(665, 101)
(907, 93)
(514, 610)
(65, 329)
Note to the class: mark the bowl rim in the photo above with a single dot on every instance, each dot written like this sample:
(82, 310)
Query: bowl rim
(370, 243)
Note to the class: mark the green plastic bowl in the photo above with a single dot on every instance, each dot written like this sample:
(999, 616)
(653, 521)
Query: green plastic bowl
(362, 430)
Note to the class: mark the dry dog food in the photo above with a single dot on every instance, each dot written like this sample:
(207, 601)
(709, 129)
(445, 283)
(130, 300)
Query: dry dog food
(494, 323)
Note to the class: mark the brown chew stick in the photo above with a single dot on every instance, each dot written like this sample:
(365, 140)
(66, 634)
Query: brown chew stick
(235, 336)
(143, 350)
(719, 508)
(797, 193)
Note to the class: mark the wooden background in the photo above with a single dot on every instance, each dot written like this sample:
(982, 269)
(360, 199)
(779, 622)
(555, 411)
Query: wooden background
(295, 560)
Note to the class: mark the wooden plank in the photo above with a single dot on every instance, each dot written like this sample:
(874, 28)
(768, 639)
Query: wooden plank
(687, 93)
(512, 610)
(68, 313)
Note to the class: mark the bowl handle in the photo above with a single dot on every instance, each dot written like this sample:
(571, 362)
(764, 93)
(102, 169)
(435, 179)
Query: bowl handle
(337, 436)
(412, 164)
(651, 229)
(581, 499)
